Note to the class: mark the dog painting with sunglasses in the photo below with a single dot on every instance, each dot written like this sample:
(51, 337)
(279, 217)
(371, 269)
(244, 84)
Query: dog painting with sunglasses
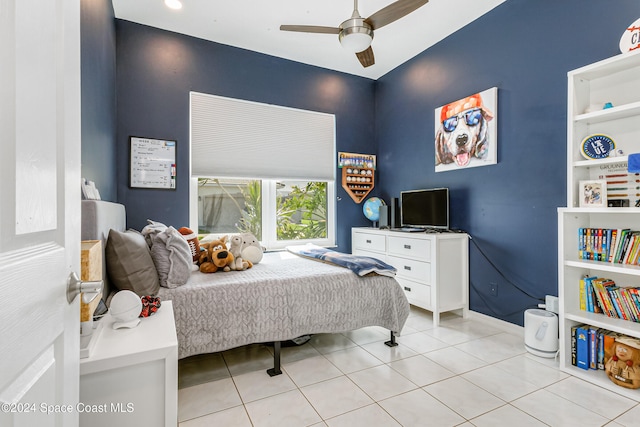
(463, 132)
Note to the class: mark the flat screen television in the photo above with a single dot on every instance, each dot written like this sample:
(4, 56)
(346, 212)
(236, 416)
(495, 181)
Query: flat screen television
(426, 208)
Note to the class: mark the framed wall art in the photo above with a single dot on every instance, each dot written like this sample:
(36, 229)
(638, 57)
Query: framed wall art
(466, 132)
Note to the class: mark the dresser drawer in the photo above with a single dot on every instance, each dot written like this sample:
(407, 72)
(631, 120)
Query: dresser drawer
(411, 269)
(410, 248)
(369, 242)
(417, 293)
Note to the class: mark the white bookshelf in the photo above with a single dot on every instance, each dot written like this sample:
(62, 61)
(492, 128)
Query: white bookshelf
(615, 80)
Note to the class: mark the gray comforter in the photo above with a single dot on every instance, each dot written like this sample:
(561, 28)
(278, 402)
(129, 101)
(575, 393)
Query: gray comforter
(282, 297)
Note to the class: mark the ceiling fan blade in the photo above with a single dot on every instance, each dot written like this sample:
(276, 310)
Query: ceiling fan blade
(366, 57)
(310, 29)
(393, 12)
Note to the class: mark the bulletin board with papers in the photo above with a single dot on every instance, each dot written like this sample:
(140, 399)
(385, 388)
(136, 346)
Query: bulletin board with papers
(152, 163)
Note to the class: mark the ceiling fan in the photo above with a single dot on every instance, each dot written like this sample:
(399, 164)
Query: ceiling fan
(356, 33)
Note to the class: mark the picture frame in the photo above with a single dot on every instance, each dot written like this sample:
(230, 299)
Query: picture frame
(466, 132)
(593, 193)
(152, 163)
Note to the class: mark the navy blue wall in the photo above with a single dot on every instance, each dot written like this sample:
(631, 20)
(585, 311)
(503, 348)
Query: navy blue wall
(98, 80)
(525, 49)
(156, 70)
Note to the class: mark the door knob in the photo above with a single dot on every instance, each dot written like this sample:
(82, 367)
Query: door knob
(89, 290)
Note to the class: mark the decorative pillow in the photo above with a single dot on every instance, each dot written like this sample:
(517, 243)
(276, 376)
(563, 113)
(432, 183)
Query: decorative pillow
(172, 257)
(151, 230)
(129, 263)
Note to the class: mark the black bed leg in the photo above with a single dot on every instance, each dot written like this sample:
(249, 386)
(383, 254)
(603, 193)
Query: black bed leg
(392, 342)
(276, 360)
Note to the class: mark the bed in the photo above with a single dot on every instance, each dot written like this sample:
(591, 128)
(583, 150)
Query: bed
(281, 298)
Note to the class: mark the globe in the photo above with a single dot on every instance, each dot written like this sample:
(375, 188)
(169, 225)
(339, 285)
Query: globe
(371, 208)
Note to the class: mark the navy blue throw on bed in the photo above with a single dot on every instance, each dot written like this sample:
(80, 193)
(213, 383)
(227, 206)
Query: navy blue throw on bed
(360, 265)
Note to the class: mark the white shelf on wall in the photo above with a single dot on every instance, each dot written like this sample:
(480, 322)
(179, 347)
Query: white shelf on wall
(615, 113)
(600, 162)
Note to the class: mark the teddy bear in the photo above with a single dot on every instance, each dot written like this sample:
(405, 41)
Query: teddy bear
(623, 367)
(251, 249)
(215, 256)
(235, 247)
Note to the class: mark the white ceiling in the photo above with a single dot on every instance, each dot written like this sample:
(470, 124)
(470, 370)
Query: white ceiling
(254, 25)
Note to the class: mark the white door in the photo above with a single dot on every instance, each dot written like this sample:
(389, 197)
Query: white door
(39, 211)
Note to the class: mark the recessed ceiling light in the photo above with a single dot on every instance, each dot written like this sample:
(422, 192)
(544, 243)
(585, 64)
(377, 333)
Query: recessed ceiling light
(173, 4)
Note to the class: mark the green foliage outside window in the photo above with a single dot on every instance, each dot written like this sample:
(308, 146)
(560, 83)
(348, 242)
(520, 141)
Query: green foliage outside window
(251, 221)
(303, 213)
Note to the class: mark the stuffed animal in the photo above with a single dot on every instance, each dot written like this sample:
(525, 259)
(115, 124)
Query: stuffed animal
(235, 247)
(251, 249)
(215, 256)
(623, 367)
(192, 240)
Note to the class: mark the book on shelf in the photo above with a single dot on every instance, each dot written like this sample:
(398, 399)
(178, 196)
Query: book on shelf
(608, 338)
(600, 334)
(634, 241)
(588, 286)
(600, 286)
(612, 244)
(617, 246)
(597, 304)
(593, 347)
(582, 347)
(634, 294)
(574, 348)
(583, 295)
(603, 295)
(622, 247)
(590, 295)
(613, 294)
(624, 299)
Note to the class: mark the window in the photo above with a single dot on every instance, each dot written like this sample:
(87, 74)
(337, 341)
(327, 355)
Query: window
(277, 212)
(286, 158)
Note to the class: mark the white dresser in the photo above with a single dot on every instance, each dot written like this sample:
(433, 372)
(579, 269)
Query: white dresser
(131, 377)
(432, 268)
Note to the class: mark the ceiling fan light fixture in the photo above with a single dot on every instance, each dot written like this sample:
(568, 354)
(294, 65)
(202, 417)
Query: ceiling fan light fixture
(173, 4)
(356, 38)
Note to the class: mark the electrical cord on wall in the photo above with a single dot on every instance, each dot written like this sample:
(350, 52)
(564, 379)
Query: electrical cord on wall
(502, 274)
(488, 304)
(511, 282)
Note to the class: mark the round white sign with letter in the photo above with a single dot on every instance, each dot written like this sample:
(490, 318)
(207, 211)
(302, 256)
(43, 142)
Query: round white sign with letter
(630, 39)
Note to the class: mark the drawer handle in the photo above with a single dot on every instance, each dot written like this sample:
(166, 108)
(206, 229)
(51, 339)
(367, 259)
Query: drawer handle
(407, 246)
(408, 289)
(368, 241)
(408, 268)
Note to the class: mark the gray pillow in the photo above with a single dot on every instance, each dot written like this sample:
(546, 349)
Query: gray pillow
(172, 257)
(129, 263)
(151, 230)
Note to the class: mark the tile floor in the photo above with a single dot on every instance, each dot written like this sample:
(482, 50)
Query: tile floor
(461, 373)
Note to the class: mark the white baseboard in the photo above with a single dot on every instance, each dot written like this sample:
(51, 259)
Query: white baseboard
(497, 323)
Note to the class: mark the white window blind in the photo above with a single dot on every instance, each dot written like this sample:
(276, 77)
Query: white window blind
(237, 138)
